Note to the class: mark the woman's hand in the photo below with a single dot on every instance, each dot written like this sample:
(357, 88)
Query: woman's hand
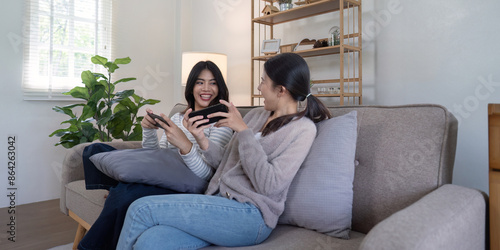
(232, 120)
(148, 121)
(193, 126)
(175, 135)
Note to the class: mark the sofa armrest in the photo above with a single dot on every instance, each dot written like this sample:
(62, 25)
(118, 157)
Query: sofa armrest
(72, 169)
(450, 217)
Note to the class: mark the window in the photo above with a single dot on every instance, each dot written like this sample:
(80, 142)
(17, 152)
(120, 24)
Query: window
(62, 37)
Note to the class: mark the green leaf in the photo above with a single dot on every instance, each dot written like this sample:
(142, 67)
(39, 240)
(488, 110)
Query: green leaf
(136, 135)
(125, 60)
(125, 93)
(103, 135)
(111, 67)
(119, 107)
(88, 131)
(99, 60)
(60, 132)
(83, 140)
(109, 88)
(149, 102)
(71, 106)
(78, 92)
(122, 95)
(137, 99)
(128, 103)
(106, 116)
(96, 96)
(101, 106)
(67, 143)
(125, 80)
(72, 122)
(121, 121)
(64, 110)
(99, 75)
(89, 79)
(88, 111)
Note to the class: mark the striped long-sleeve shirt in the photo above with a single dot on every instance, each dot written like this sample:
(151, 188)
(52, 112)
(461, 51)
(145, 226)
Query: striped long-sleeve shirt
(194, 159)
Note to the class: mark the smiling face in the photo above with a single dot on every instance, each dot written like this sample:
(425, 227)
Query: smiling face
(269, 92)
(205, 89)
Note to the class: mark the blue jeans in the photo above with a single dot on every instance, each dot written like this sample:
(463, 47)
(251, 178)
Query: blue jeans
(94, 178)
(191, 221)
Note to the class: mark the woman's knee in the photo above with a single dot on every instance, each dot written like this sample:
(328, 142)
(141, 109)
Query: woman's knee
(137, 205)
(160, 237)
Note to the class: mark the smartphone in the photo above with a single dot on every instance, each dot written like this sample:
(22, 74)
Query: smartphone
(210, 110)
(159, 118)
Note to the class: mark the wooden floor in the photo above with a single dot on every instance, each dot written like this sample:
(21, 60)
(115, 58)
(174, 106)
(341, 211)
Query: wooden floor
(38, 225)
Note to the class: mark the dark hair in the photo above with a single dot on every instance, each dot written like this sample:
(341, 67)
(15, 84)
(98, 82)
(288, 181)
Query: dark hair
(193, 76)
(291, 71)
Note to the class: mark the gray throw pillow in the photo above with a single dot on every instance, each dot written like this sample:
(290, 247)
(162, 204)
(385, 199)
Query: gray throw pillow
(320, 196)
(159, 167)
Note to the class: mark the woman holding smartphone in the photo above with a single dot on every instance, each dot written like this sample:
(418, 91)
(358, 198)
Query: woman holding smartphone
(205, 87)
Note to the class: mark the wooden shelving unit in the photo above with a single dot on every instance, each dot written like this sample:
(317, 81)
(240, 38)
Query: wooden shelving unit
(494, 173)
(350, 75)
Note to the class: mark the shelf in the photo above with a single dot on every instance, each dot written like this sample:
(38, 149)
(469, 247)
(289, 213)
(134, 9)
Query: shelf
(324, 95)
(350, 81)
(330, 50)
(346, 80)
(304, 11)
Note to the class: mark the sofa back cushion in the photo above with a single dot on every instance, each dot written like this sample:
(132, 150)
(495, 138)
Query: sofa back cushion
(320, 195)
(402, 154)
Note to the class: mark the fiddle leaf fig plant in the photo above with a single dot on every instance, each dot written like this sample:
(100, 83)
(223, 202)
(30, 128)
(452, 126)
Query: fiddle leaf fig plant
(103, 115)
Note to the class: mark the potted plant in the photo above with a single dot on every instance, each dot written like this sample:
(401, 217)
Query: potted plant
(104, 114)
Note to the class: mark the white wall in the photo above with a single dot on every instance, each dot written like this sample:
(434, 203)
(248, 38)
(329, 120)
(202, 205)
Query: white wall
(224, 26)
(413, 52)
(443, 52)
(37, 160)
(145, 32)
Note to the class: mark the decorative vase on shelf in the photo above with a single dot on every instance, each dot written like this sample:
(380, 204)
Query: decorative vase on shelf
(285, 5)
(334, 36)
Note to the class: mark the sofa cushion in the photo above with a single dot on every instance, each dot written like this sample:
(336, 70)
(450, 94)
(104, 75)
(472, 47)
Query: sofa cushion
(320, 196)
(87, 204)
(286, 237)
(159, 167)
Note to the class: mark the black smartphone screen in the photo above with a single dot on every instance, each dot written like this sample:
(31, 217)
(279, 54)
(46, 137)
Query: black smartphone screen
(159, 118)
(210, 110)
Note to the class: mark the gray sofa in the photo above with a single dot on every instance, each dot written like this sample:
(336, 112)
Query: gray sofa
(403, 198)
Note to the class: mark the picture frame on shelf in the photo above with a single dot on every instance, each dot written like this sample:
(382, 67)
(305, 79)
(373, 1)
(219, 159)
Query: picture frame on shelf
(271, 46)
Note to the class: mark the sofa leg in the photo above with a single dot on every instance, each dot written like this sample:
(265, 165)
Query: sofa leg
(83, 227)
(80, 232)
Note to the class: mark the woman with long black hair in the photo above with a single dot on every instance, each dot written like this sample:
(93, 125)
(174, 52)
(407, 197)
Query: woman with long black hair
(205, 87)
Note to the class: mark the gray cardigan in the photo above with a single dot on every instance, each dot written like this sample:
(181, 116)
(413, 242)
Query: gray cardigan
(260, 171)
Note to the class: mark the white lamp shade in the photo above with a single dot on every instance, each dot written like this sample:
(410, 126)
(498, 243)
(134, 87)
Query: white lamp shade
(189, 59)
